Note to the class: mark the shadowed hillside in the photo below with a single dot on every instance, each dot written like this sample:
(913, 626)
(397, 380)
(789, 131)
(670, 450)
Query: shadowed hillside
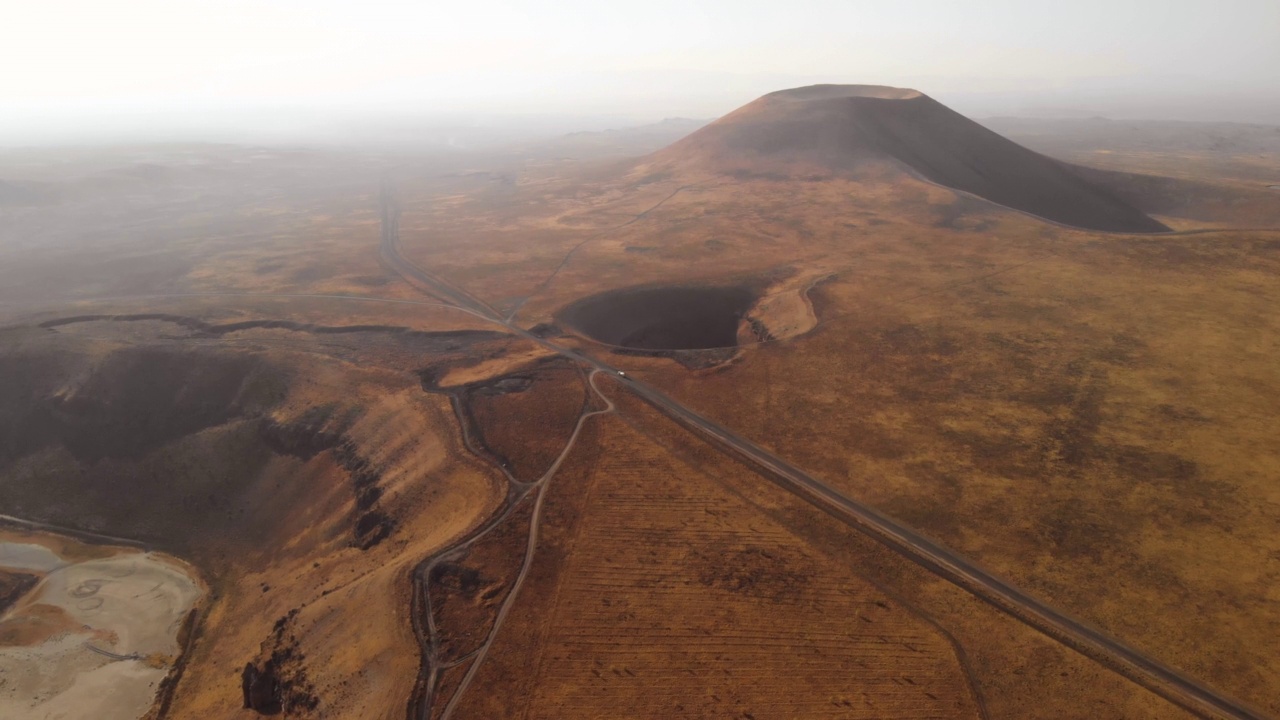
(836, 128)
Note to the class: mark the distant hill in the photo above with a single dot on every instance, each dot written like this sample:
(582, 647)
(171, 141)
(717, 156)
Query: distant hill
(626, 141)
(838, 128)
(1070, 135)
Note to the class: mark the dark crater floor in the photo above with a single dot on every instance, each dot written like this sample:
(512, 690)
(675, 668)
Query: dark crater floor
(662, 318)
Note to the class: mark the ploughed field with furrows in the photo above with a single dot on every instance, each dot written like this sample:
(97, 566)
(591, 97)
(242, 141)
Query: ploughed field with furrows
(661, 590)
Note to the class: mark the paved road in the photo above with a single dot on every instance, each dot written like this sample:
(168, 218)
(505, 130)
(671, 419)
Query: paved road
(1148, 672)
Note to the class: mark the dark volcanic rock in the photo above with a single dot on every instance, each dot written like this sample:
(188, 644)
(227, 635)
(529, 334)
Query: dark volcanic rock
(786, 134)
(662, 318)
(261, 689)
(280, 683)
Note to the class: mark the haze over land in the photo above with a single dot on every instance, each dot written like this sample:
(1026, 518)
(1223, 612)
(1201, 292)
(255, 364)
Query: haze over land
(575, 360)
(78, 70)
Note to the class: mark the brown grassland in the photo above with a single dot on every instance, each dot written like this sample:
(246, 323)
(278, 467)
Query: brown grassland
(1090, 416)
(204, 352)
(673, 582)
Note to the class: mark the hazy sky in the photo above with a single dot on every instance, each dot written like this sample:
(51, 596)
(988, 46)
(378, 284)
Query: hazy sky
(73, 63)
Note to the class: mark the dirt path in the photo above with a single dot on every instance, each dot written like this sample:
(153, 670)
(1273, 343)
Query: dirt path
(530, 547)
(429, 636)
(1144, 670)
(511, 317)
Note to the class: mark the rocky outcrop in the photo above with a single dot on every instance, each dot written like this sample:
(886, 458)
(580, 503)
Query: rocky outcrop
(313, 434)
(279, 683)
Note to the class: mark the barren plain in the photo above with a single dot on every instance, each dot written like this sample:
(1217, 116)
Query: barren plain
(545, 433)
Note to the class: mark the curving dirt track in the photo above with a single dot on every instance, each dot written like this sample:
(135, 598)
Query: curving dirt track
(1146, 671)
(433, 665)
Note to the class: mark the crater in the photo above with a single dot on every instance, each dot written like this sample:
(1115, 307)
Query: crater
(662, 318)
(839, 92)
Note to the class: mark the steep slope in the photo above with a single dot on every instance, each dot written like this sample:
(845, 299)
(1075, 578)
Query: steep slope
(304, 488)
(838, 128)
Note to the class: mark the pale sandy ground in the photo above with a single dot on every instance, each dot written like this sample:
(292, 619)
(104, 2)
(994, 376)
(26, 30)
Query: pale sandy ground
(785, 309)
(785, 314)
(486, 369)
(131, 604)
